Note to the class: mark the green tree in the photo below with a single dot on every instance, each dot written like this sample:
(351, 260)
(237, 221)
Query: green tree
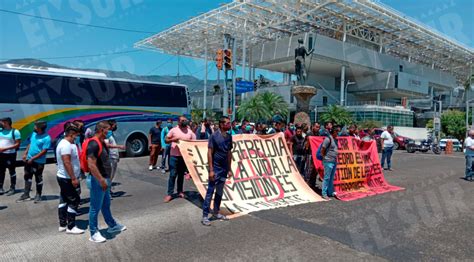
(196, 113)
(369, 124)
(430, 125)
(337, 114)
(262, 107)
(453, 123)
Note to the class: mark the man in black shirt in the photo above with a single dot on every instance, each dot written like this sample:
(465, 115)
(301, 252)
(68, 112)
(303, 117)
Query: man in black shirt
(99, 180)
(219, 158)
(154, 142)
(298, 150)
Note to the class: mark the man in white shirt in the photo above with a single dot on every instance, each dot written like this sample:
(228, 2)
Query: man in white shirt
(10, 140)
(387, 147)
(469, 146)
(69, 170)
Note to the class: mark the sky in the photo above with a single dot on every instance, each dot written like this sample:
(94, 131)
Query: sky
(28, 37)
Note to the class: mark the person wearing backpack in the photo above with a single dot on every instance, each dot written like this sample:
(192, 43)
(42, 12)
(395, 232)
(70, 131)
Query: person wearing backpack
(329, 156)
(95, 160)
(10, 140)
(35, 159)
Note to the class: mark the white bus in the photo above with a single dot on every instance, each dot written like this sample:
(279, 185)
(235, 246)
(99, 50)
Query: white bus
(31, 93)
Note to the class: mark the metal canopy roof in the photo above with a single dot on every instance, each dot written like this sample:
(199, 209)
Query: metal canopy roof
(261, 21)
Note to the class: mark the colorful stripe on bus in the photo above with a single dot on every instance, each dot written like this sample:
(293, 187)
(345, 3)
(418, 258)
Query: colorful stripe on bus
(57, 118)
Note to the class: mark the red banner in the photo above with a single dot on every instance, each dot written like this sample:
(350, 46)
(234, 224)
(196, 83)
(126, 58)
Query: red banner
(358, 170)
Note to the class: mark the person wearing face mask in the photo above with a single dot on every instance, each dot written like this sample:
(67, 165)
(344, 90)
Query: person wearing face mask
(154, 142)
(100, 169)
(166, 147)
(35, 159)
(329, 150)
(310, 171)
(297, 149)
(114, 150)
(10, 140)
(204, 131)
(236, 128)
(177, 165)
(219, 158)
(69, 170)
(289, 133)
(245, 127)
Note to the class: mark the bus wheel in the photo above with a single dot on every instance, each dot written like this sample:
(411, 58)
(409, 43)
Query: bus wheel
(136, 145)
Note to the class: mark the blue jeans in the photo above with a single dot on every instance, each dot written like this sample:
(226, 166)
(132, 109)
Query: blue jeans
(218, 186)
(99, 201)
(328, 181)
(177, 169)
(387, 154)
(166, 155)
(468, 166)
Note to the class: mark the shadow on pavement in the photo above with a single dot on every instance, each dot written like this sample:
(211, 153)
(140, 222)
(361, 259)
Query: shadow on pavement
(195, 198)
(83, 211)
(119, 194)
(116, 183)
(3, 207)
(82, 224)
(50, 197)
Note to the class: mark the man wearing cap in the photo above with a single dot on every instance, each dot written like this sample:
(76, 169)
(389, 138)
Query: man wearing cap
(10, 140)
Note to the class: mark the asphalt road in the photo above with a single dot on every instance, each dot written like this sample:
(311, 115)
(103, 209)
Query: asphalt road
(431, 220)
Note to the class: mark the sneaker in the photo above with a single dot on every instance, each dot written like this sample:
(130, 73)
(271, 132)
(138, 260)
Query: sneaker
(334, 194)
(23, 198)
(10, 192)
(37, 199)
(150, 168)
(2, 191)
(181, 195)
(116, 229)
(326, 198)
(97, 238)
(220, 217)
(62, 229)
(157, 167)
(74, 231)
(163, 171)
(167, 199)
(205, 221)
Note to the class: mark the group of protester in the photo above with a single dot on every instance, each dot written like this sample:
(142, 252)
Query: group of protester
(220, 145)
(165, 139)
(76, 154)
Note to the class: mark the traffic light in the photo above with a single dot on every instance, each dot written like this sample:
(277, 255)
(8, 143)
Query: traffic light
(219, 58)
(227, 59)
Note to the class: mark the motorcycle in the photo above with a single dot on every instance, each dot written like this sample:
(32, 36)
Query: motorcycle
(423, 146)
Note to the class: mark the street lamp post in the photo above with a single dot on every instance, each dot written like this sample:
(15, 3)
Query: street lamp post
(345, 92)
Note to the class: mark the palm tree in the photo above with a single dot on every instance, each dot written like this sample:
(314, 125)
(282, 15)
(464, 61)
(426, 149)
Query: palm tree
(262, 107)
(275, 104)
(337, 114)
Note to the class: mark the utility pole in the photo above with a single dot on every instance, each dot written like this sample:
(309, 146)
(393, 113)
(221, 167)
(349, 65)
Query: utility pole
(205, 85)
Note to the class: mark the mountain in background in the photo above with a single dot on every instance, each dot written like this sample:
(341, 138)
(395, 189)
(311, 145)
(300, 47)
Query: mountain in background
(193, 83)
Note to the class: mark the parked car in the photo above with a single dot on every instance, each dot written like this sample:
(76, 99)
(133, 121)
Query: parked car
(457, 146)
(399, 142)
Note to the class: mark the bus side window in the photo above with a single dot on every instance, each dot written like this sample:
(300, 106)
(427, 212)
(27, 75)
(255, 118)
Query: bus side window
(8, 85)
(80, 91)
